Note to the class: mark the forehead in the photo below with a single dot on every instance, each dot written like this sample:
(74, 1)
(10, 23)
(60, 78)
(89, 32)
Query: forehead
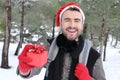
(72, 14)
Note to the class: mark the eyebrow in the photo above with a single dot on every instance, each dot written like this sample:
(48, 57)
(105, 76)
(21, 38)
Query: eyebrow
(77, 19)
(74, 19)
(66, 18)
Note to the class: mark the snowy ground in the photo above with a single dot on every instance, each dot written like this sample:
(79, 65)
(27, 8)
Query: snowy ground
(111, 65)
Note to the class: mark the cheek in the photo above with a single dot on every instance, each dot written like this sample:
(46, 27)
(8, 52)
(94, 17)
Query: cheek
(63, 27)
(80, 26)
(80, 29)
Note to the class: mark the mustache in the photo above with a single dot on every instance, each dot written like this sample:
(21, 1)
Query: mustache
(72, 28)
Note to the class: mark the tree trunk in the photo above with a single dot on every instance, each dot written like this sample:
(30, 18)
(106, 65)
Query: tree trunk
(85, 31)
(105, 44)
(91, 36)
(102, 34)
(116, 41)
(5, 50)
(112, 40)
(53, 32)
(21, 30)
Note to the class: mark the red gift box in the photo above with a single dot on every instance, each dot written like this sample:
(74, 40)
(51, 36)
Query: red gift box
(39, 59)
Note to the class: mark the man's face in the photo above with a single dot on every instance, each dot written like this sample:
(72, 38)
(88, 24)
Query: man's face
(72, 24)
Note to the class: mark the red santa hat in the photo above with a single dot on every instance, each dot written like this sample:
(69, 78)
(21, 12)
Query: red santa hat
(65, 7)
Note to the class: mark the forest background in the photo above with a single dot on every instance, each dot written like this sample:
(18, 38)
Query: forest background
(21, 21)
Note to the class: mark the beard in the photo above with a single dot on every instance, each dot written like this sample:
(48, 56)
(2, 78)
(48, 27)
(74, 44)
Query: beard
(72, 37)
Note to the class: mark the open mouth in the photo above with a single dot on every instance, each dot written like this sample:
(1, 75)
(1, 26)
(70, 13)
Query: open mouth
(72, 30)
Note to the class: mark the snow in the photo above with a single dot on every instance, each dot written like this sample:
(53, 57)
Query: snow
(6, 74)
(111, 65)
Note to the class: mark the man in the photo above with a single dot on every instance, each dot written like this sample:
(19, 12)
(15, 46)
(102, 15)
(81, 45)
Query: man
(70, 56)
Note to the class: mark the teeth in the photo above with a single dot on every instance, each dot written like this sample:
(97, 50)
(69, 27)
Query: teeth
(71, 30)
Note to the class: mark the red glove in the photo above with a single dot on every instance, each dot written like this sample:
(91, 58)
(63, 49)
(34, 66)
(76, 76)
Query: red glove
(32, 56)
(81, 72)
(24, 59)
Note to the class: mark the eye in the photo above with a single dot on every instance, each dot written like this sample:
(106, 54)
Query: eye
(77, 20)
(66, 19)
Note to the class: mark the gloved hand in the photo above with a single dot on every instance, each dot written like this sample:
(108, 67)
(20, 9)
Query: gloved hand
(32, 56)
(81, 72)
(24, 59)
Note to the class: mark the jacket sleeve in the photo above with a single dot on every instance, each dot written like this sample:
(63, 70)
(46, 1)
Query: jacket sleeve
(98, 71)
(33, 72)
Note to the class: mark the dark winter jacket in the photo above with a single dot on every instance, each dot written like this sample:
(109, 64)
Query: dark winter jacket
(73, 48)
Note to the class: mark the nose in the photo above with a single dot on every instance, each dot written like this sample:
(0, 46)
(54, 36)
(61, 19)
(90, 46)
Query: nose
(72, 23)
